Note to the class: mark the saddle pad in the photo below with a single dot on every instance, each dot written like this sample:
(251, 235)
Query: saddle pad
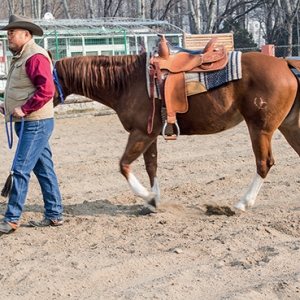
(210, 80)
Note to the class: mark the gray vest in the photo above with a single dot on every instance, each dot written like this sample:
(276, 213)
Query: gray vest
(19, 88)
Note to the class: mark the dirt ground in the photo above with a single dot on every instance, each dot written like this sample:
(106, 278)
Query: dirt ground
(106, 250)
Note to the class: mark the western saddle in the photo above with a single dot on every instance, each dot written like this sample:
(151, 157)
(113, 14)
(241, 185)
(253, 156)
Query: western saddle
(168, 66)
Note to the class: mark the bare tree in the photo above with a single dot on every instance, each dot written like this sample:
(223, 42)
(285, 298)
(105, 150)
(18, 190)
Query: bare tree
(231, 10)
(38, 4)
(194, 17)
(209, 15)
(66, 9)
(10, 7)
(23, 8)
(32, 8)
(269, 17)
(289, 11)
(140, 8)
(91, 8)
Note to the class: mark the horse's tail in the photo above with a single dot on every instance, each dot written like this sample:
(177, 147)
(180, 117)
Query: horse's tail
(294, 64)
(294, 113)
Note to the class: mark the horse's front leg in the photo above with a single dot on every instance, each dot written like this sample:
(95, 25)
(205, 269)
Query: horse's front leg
(261, 144)
(139, 143)
(150, 158)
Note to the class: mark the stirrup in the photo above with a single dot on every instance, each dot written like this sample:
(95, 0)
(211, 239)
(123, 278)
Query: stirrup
(170, 137)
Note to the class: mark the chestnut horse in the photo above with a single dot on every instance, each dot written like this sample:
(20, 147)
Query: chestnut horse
(266, 98)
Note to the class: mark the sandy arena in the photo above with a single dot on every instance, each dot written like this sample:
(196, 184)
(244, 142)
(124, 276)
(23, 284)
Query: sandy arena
(106, 251)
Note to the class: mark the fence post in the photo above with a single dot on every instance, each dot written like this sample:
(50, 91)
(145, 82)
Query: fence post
(268, 49)
(125, 42)
(56, 46)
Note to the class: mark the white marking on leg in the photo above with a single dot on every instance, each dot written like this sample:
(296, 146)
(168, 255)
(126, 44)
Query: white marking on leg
(250, 197)
(138, 189)
(155, 189)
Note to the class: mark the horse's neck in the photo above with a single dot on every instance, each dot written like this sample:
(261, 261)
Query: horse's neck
(111, 79)
(105, 83)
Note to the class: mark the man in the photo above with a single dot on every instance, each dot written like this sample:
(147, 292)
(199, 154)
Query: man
(29, 94)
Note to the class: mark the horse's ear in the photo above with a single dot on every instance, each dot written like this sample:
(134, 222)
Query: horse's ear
(50, 55)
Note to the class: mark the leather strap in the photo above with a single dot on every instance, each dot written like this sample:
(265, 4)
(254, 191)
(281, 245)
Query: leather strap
(155, 72)
(152, 100)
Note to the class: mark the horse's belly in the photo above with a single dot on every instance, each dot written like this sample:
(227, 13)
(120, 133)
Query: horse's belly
(209, 123)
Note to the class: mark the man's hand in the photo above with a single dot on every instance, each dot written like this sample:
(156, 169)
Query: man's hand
(18, 112)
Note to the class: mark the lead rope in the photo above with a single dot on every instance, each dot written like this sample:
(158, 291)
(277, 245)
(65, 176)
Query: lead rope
(9, 134)
(9, 181)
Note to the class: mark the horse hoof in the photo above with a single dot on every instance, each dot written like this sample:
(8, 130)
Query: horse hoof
(239, 206)
(147, 210)
(151, 199)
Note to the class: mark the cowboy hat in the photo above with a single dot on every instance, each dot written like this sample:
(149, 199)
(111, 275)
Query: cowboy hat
(17, 22)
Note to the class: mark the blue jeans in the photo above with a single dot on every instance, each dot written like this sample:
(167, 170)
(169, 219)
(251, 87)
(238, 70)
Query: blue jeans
(34, 155)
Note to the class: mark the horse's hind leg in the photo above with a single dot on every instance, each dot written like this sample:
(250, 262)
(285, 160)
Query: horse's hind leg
(291, 131)
(250, 197)
(261, 144)
(138, 144)
(264, 159)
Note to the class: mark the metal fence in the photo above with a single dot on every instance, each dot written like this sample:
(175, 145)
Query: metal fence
(280, 51)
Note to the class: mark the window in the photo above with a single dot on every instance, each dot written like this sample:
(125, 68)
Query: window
(76, 53)
(75, 41)
(106, 53)
(119, 40)
(91, 52)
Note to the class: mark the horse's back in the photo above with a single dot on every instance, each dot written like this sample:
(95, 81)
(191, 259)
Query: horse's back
(271, 70)
(264, 95)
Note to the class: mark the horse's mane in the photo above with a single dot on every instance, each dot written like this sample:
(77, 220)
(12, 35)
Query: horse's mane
(92, 73)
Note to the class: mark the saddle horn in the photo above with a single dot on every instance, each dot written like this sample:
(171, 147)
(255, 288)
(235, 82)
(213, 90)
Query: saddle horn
(163, 49)
(210, 45)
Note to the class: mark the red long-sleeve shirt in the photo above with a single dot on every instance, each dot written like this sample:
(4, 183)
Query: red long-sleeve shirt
(39, 72)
